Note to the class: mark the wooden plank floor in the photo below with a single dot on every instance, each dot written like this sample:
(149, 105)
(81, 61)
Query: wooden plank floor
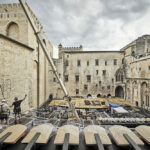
(17, 131)
(73, 138)
(45, 131)
(144, 132)
(89, 132)
(117, 132)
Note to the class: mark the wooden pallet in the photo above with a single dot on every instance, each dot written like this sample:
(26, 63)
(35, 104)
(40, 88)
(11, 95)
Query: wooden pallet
(17, 131)
(117, 132)
(144, 132)
(73, 137)
(45, 133)
(89, 132)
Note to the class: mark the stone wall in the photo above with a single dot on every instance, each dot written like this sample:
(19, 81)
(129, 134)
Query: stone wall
(15, 25)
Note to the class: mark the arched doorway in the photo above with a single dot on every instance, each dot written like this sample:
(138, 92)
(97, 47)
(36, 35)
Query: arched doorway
(89, 95)
(98, 95)
(109, 95)
(119, 92)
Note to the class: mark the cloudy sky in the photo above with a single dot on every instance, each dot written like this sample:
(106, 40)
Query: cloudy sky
(96, 24)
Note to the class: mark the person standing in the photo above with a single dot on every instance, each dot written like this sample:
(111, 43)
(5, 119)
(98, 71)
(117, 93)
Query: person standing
(17, 106)
(4, 112)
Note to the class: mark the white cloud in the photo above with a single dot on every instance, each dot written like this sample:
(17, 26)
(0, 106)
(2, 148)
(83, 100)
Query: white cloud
(96, 24)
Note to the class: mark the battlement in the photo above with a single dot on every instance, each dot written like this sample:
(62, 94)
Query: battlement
(15, 10)
(4, 8)
(60, 47)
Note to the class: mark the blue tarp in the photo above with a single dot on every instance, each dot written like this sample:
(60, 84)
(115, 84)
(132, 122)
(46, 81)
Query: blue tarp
(113, 105)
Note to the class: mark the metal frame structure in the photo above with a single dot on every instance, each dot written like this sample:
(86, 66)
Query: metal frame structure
(47, 54)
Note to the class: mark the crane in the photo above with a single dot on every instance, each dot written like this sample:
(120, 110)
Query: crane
(47, 54)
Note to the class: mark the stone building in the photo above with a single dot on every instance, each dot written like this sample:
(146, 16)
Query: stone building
(88, 73)
(24, 67)
(25, 70)
(124, 73)
(137, 71)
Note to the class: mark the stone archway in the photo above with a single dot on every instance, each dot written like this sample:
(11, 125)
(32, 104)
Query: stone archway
(98, 95)
(89, 95)
(119, 92)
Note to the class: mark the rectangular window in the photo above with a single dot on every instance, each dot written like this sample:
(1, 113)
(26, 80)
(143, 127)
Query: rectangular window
(88, 78)
(77, 91)
(105, 63)
(66, 78)
(104, 72)
(87, 63)
(112, 80)
(78, 63)
(54, 79)
(96, 62)
(77, 78)
(115, 61)
(147, 100)
(148, 67)
(96, 72)
(100, 83)
(108, 87)
(86, 87)
(66, 63)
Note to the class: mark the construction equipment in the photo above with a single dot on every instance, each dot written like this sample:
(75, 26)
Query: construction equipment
(47, 54)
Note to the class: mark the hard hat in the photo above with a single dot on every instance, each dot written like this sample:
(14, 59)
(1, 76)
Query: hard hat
(3, 101)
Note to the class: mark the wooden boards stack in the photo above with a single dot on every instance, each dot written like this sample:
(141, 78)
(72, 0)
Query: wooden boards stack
(45, 133)
(89, 132)
(73, 138)
(17, 131)
(117, 134)
(144, 132)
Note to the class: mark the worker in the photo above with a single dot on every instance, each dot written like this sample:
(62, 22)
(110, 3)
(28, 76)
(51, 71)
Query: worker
(17, 107)
(4, 112)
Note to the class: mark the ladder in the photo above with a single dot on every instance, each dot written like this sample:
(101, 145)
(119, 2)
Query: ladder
(47, 54)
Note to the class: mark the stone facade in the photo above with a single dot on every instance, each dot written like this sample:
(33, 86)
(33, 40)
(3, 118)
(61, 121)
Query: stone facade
(124, 73)
(24, 71)
(137, 68)
(87, 72)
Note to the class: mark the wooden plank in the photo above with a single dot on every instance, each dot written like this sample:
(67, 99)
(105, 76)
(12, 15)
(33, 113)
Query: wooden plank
(73, 138)
(89, 132)
(144, 132)
(45, 131)
(17, 131)
(117, 132)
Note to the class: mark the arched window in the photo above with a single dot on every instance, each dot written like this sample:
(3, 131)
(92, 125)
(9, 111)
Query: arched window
(13, 31)
(119, 75)
(144, 94)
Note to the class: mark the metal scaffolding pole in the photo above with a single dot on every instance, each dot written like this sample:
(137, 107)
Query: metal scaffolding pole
(37, 33)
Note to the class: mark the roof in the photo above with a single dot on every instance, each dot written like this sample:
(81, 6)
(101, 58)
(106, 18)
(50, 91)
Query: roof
(120, 110)
(77, 51)
(17, 42)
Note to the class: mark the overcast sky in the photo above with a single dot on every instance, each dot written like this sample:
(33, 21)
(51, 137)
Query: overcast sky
(96, 24)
